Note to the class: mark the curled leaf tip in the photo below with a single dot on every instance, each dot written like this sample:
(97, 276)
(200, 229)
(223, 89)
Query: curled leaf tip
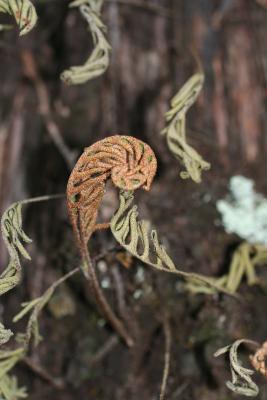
(23, 11)
(98, 61)
(241, 382)
(14, 237)
(175, 131)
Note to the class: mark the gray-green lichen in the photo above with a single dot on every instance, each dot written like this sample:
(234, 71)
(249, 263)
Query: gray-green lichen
(244, 211)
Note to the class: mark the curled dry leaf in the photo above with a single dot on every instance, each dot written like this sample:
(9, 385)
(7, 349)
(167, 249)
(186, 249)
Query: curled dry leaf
(23, 11)
(13, 236)
(176, 129)
(98, 61)
(241, 377)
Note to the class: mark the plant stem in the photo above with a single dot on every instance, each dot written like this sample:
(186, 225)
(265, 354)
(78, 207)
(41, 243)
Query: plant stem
(167, 357)
(101, 300)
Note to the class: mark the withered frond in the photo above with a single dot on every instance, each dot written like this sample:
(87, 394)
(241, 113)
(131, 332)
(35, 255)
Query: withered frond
(23, 11)
(98, 61)
(143, 243)
(176, 129)
(241, 377)
(13, 236)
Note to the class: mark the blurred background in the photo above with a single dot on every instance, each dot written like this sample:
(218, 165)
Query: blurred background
(44, 127)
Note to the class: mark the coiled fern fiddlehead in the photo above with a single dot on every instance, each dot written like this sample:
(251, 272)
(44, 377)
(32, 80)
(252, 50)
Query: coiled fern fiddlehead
(131, 164)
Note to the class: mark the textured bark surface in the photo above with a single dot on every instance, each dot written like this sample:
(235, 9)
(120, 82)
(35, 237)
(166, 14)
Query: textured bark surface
(44, 126)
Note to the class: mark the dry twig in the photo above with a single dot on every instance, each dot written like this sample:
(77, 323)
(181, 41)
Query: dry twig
(167, 357)
(31, 71)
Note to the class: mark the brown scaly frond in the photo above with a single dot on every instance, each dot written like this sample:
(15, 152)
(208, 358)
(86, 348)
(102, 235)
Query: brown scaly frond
(129, 162)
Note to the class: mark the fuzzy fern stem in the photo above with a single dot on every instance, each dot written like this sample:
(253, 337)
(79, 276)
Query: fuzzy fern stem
(101, 301)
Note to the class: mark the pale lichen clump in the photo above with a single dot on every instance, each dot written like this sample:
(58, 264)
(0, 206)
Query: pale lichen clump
(244, 212)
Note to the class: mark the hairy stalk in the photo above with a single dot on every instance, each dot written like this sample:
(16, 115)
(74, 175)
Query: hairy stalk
(101, 301)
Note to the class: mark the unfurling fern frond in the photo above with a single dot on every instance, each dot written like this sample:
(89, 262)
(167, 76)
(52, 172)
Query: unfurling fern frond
(241, 377)
(5, 334)
(23, 11)
(131, 164)
(176, 129)
(142, 242)
(13, 236)
(98, 61)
